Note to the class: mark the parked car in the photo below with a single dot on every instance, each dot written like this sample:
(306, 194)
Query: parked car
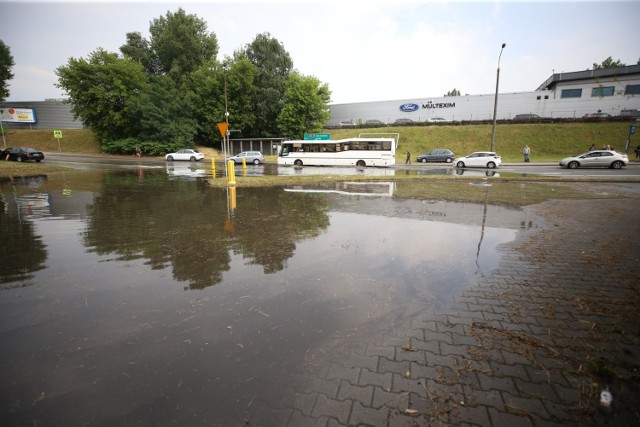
(437, 155)
(185, 154)
(374, 123)
(437, 119)
(596, 158)
(254, 157)
(482, 159)
(403, 122)
(346, 124)
(22, 154)
(597, 116)
(526, 117)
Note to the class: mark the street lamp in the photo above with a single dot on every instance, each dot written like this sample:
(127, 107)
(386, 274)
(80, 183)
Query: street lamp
(495, 102)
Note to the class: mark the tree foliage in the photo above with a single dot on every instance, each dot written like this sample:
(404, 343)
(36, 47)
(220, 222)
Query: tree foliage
(6, 64)
(608, 63)
(274, 65)
(180, 43)
(101, 90)
(453, 92)
(171, 89)
(305, 106)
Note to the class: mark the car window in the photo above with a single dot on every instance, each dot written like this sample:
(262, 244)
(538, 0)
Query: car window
(606, 154)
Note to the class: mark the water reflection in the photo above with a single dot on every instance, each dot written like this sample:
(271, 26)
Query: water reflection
(122, 323)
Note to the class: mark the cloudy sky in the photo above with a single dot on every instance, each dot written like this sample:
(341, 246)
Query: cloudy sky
(364, 50)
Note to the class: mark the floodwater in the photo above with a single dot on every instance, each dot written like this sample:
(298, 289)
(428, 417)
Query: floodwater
(147, 297)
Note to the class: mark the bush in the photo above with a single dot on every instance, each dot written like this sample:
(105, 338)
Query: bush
(148, 148)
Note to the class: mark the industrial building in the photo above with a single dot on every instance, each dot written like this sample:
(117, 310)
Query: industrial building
(611, 91)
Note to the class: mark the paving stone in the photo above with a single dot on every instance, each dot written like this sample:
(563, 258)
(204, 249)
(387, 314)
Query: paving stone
(302, 402)
(338, 371)
(366, 416)
(326, 407)
(326, 386)
(298, 419)
(393, 366)
(362, 394)
(383, 398)
(487, 398)
(507, 419)
(382, 380)
(376, 350)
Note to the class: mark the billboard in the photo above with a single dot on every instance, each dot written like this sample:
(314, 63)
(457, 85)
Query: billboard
(18, 115)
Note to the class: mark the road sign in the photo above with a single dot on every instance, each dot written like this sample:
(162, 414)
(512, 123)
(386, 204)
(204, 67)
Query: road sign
(222, 127)
(317, 136)
(57, 134)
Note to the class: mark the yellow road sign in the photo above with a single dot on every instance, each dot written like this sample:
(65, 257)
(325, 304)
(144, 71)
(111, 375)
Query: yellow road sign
(57, 133)
(222, 127)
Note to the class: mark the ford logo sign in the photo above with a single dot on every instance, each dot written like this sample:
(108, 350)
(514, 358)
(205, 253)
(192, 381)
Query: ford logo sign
(409, 107)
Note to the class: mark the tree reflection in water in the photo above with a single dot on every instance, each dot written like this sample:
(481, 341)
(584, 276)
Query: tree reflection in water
(176, 223)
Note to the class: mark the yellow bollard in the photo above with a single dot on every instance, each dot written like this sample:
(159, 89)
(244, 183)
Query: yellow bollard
(232, 197)
(231, 169)
(213, 167)
(244, 166)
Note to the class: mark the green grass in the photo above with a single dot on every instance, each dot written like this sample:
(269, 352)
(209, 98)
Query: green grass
(549, 142)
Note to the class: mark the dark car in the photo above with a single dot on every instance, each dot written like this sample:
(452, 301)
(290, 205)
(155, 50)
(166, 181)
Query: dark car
(22, 154)
(437, 155)
(403, 122)
(526, 117)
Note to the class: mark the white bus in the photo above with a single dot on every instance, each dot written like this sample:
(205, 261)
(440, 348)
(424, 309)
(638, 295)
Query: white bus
(361, 152)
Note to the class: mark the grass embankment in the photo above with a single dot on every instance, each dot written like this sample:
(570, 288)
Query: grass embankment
(549, 142)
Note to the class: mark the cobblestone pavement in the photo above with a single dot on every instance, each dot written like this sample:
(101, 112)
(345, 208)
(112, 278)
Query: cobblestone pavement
(534, 343)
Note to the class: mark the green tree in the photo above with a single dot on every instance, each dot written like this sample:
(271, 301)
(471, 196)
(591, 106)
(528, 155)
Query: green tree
(6, 64)
(305, 106)
(454, 92)
(101, 90)
(162, 114)
(206, 88)
(608, 63)
(180, 43)
(274, 65)
(139, 49)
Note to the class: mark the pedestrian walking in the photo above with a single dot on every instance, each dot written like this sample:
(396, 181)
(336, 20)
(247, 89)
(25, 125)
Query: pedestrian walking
(526, 152)
(593, 147)
(638, 152)
(408, 161)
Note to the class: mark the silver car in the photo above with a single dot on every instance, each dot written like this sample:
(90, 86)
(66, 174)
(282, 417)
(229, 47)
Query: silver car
(596, 158)
(254, 157)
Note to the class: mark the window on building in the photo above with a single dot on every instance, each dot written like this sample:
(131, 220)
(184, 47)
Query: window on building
(571, 93)
(602, 91)
(632, 90)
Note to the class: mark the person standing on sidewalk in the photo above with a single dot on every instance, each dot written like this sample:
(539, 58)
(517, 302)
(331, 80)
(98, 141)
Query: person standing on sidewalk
(526, 152)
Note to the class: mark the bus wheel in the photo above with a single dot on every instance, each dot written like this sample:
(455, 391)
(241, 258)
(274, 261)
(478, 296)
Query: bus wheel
(361, 163)
(298, 162)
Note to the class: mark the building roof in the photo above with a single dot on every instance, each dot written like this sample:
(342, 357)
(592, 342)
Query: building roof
(552, 81)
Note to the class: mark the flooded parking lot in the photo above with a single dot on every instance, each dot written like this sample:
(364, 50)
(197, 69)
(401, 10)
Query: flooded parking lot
(146, 297)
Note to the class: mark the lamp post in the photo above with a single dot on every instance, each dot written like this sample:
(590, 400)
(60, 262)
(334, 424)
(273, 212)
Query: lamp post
(495, 102)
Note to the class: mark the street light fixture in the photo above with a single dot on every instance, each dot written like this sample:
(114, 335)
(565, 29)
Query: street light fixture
(495, 102)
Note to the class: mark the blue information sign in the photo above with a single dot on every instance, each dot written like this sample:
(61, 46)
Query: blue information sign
(317, 136)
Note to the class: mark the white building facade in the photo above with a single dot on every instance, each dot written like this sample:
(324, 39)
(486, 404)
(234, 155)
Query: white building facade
(615, 91)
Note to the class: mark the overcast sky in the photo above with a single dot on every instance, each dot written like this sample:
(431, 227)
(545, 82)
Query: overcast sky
(364, 50)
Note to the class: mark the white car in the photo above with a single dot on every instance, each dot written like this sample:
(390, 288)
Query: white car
(596, 158)
(437, 119)
(481, 159)
(186, 154)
